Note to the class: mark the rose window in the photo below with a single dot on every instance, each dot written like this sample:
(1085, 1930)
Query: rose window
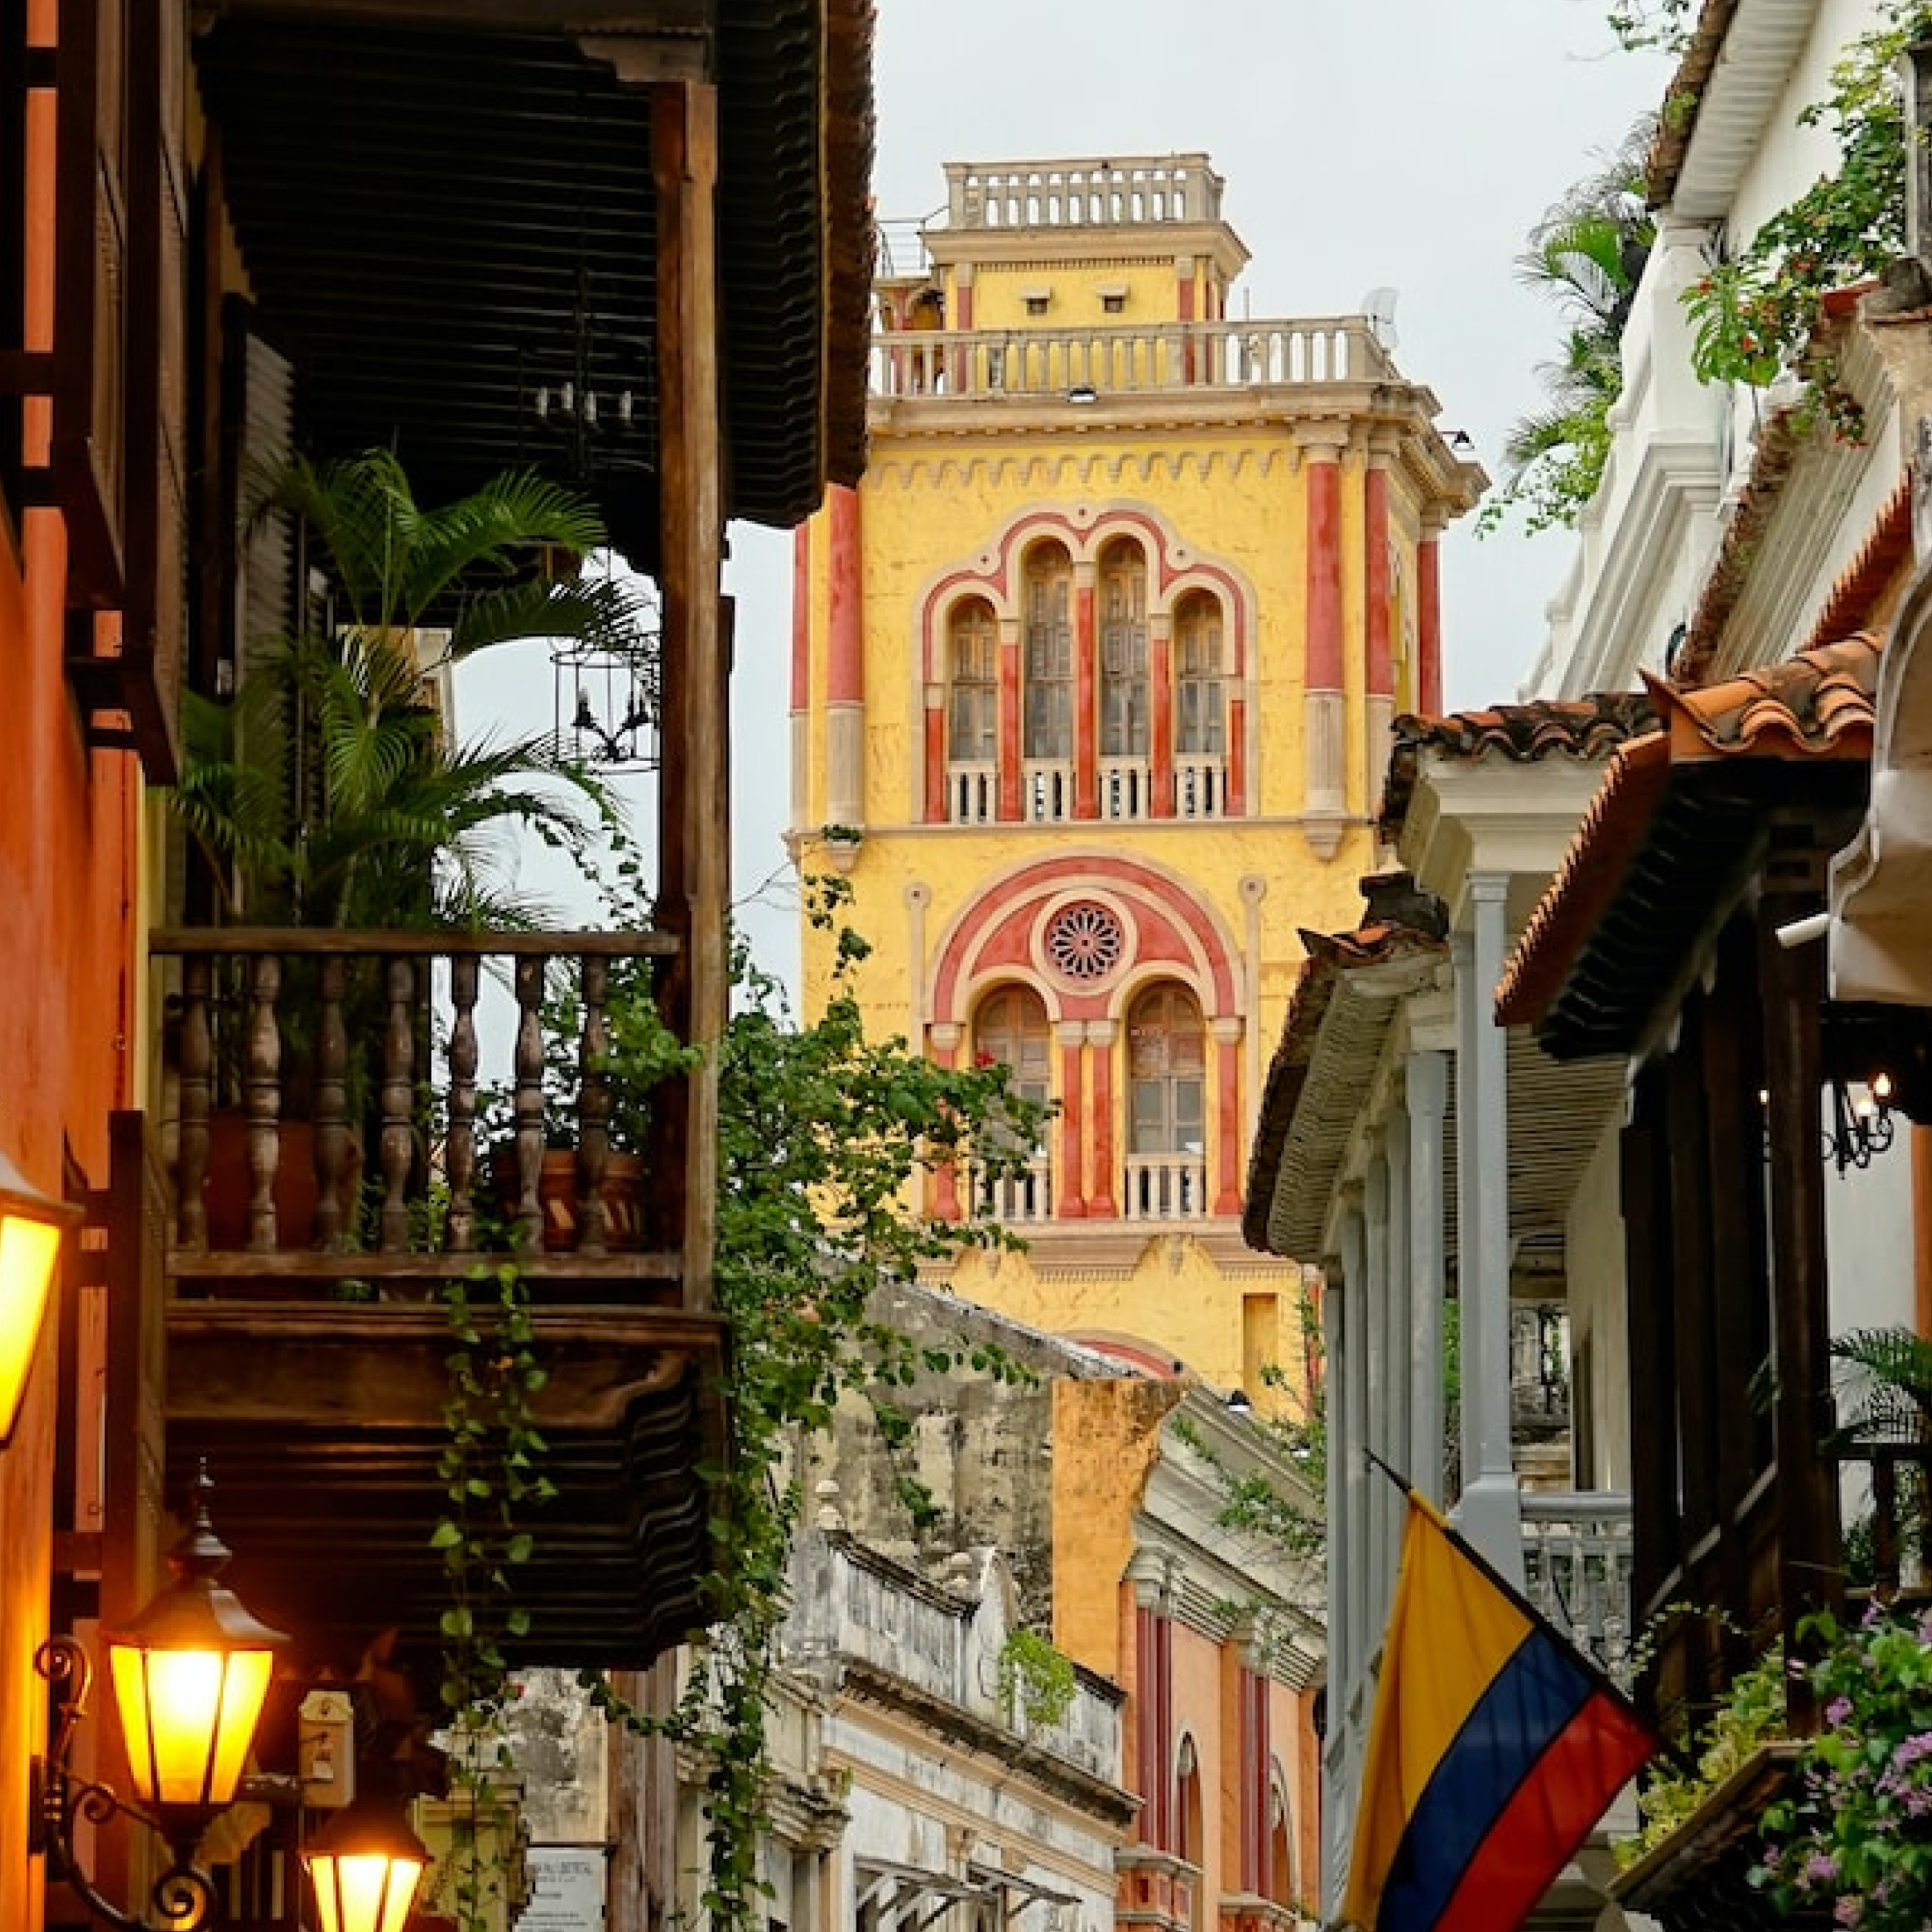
(1084, 942)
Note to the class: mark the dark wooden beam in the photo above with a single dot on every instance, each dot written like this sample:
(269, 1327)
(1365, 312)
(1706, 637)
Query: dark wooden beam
(696, 792)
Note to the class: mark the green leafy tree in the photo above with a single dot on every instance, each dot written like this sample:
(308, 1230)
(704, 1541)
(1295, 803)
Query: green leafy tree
(826, 1137)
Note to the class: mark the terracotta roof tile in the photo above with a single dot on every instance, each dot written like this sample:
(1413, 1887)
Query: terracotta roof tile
(1330, 957)
(1817, 703)
(1580, 727)
(1585, 882)
(1682, 100)
(1854, 598)
(1816, 706)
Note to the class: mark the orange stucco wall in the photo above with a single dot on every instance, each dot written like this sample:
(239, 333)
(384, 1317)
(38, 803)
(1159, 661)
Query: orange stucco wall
(68, 849)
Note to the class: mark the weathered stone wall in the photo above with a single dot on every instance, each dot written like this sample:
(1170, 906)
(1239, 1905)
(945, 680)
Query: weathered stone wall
(982, 1446)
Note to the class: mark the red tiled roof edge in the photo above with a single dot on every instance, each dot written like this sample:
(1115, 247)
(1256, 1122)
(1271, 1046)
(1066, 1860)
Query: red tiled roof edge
(1330, 955)
(1816, 704)
(1677, 119)
(1581, 727)
(1737, 550)
(1586, 882)
(1887, 545)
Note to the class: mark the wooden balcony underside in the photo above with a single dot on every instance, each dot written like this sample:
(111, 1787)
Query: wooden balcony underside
(323, 1424)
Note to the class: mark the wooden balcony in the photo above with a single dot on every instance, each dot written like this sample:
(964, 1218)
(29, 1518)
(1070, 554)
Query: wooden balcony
(354, 1122)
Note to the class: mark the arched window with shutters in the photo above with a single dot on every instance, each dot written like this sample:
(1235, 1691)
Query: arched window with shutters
(1047, 737)
(1121, 691)
(1010, 1028)
(1167, 1106)
(972, 710)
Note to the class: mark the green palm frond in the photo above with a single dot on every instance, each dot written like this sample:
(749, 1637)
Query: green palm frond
(331, 785)
(1884, 1384)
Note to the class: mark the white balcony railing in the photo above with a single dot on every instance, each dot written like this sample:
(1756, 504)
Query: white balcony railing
(1046, 790)
(1086, 365)
(1576, 1559)
(1117, 191)
(972, 792)
(1166, 1187)
(1124, 788)
(1020, 1200)
(1200, 788)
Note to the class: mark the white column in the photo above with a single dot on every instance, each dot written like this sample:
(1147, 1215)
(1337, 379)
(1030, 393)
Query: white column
(1401, 1325)
(1335, 1343)
(1354, 1365)
(1427, 1085)
(1490, 1512)
(1381, 1419)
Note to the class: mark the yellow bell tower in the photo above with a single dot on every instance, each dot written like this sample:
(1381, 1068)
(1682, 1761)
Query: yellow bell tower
(1092, 678)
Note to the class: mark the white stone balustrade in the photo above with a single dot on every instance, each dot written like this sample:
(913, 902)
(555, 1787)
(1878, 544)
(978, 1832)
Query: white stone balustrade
(1086, 366)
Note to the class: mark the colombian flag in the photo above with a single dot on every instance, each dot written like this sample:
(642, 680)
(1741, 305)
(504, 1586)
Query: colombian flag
(1494, 1748)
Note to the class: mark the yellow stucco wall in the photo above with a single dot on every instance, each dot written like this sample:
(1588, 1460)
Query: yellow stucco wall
(1218, 479)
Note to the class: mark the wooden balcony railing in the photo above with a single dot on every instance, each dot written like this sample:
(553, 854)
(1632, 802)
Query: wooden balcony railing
(383, 1103)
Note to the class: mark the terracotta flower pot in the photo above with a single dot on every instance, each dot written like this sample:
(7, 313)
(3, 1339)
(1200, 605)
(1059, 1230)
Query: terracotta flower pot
(561, 1204)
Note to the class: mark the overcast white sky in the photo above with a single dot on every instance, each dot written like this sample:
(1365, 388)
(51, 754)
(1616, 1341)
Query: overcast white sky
(1407, 144)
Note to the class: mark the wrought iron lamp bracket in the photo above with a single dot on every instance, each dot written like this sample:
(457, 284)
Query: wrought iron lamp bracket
(182, 1899)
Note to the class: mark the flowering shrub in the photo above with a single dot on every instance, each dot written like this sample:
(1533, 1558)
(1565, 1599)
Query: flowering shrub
(1856, 1833)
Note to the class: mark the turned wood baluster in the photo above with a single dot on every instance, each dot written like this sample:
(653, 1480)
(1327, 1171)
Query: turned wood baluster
(593, 1111)
(261, 1099)
(1885, 1528)
(332, 1220)
(398, 1141)
(528, 1103)
(460, 1155)
(197, 1085)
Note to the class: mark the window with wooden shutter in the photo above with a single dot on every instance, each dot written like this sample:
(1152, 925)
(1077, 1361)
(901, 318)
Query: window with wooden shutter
(91, 275)
(154, 503)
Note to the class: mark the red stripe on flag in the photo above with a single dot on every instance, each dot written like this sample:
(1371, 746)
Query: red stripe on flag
(1587, 1763)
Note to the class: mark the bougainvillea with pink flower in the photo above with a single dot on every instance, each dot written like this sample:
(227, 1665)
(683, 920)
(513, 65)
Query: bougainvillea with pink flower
(1854, 1832)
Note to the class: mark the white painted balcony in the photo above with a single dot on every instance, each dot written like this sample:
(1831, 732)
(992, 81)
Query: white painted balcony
(1046, 790)
(1124, 788)
(1017, 1200)
(1166, 1187)
(854, 1605)
(1086, 366)
(1576, 1559)
(1117, 191)
(972, 792)
(1200, 788)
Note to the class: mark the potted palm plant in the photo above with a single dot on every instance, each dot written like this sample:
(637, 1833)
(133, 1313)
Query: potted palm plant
(333, 790)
